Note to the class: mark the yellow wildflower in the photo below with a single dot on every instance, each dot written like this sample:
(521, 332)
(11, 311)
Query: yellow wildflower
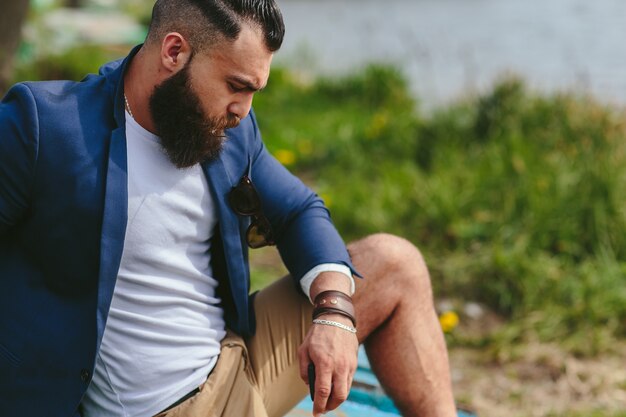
(326, 198)
(448, 320)
(377, 125)
(285, 156)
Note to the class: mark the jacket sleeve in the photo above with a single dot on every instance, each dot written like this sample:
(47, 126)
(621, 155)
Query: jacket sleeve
(19, 134)
(305, 234)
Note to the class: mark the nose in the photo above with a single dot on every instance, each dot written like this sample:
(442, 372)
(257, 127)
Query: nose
(241, 106)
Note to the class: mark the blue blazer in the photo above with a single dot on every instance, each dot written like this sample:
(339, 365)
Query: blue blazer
(63, 212)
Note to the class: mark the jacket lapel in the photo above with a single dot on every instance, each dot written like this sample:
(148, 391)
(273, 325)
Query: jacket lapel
(113, 225)
(236, 269)
(115, 212)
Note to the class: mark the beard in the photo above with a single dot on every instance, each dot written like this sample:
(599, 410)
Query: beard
(187, 135)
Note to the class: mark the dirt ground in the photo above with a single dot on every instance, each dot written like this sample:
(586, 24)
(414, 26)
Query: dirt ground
(542, 381)
(536, 380)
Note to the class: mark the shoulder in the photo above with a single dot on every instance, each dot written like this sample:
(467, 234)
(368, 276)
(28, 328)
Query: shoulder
(61, 96)
(63, 108)
(18, 114)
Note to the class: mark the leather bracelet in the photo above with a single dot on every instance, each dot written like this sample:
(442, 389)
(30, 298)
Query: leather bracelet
(334, 302)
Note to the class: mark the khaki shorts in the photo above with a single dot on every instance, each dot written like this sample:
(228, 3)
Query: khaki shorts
(258, 377)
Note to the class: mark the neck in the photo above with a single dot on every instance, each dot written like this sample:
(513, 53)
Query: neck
(139, 81)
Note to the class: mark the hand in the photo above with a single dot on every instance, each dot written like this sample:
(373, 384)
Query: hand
(334, 353)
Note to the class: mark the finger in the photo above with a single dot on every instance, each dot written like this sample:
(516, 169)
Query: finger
(303, 362)
(339, 392)
(323, 387)
(351, 375)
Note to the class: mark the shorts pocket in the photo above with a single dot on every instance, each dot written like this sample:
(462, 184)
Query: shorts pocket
(229, 390)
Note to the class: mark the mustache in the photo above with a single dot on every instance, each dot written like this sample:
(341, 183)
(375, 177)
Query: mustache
(218, 126)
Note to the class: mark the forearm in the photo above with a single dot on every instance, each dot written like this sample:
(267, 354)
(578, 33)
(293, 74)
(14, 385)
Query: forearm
(330, 344)
(330, 280)
(309, 239)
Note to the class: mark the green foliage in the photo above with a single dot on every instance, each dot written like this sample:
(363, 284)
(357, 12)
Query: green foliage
(73, 64)
(351, 136)
(545, 210)
(371, 112)
(517, 200)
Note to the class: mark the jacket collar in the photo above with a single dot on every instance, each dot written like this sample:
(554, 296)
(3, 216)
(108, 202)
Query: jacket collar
(113, 73)
(115, 210)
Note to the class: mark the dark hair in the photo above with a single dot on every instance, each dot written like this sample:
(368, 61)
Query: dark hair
(204, 22)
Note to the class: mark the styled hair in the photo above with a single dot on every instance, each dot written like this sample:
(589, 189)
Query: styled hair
(205, 22)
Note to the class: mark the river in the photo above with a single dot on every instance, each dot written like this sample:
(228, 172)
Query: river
(451, 48)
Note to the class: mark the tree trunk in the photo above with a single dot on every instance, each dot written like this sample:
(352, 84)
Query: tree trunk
(12, 15)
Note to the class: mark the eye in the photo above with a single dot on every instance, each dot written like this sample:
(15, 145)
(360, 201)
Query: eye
(234, 88)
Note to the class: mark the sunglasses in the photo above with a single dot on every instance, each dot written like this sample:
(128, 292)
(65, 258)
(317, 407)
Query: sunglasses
(245, 201)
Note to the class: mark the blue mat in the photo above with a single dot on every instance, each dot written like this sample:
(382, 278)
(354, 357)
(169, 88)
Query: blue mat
(366, 398)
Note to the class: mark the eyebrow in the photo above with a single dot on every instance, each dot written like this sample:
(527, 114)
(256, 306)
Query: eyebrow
(249, 85)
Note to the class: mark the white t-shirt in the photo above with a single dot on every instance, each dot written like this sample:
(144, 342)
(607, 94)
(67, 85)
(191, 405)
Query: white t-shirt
(164, 328)
(162, 337)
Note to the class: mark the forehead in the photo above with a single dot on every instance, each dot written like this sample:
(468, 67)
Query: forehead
(246, 57)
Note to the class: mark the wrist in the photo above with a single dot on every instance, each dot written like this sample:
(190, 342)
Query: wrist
(335, 303)
(337, 317)
(330, 281)
(326, 322)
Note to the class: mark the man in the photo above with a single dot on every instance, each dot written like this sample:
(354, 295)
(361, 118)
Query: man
(127, 202)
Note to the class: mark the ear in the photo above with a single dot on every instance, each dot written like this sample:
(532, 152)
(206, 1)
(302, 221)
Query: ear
(175, 52)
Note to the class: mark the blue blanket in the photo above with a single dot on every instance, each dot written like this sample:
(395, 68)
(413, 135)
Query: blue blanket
(366, 398)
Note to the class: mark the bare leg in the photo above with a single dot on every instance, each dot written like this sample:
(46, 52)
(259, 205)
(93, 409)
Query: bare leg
(399, 327)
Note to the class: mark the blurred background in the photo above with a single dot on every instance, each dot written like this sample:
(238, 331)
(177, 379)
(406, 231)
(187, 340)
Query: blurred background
(491, 133)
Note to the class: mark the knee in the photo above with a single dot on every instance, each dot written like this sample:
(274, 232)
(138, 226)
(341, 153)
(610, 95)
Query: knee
(394, 258)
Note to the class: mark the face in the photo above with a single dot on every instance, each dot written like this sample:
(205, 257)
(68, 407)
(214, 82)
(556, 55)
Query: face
(192, 109)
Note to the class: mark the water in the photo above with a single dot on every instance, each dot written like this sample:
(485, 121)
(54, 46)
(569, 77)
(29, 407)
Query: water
(448, 48)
